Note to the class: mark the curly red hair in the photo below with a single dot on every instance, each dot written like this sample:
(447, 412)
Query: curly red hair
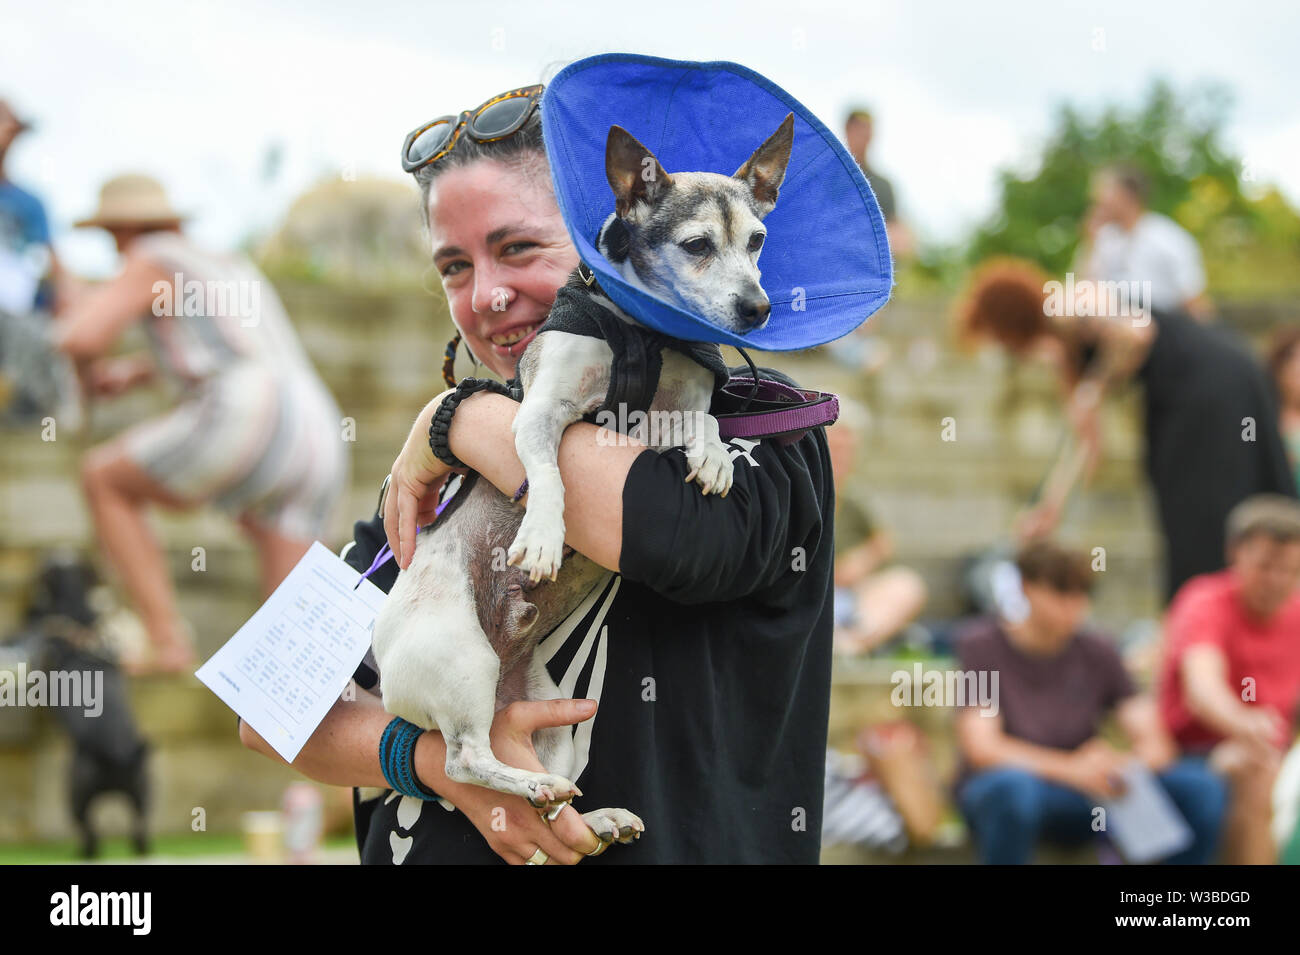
(1004, 302)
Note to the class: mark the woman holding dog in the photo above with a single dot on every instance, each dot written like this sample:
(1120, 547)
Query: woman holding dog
(707, 648)
(1210, 424)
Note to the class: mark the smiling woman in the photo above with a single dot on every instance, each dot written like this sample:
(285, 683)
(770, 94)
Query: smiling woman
(499, 283)
(705, 640)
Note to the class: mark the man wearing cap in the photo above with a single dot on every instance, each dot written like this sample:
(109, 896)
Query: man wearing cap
(254, 430)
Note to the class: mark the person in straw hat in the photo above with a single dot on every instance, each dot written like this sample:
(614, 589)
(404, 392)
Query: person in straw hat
(255, 430)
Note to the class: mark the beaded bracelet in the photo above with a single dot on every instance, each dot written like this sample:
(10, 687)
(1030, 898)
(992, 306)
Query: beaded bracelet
(442, 417)
(397, 759)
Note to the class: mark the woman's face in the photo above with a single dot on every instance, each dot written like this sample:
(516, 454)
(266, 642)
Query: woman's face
(502, 250)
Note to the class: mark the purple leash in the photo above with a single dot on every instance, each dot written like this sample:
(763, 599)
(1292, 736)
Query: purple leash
(386, 553)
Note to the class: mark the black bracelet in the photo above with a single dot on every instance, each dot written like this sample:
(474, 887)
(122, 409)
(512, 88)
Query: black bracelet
(442, 417)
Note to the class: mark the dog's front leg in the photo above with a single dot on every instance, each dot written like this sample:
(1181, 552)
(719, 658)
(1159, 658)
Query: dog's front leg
(564, 377)
(706, 454)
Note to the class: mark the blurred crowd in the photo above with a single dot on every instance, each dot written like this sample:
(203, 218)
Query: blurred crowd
(250, 428)
(1072, 733)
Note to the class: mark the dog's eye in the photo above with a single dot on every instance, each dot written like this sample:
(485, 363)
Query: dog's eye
(756, 241)
(696, 246)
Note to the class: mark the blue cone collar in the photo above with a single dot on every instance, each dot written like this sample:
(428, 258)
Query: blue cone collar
(825, 265)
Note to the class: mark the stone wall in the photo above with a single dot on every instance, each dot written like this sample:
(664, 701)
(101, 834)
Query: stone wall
(381, 355)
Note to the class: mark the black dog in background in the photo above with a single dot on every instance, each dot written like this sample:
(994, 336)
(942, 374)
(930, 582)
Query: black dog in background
(109, 752)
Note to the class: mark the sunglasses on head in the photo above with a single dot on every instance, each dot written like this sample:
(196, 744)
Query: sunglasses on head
(501, 116)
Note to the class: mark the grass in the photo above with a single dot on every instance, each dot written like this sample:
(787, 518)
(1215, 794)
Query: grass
(184, 845)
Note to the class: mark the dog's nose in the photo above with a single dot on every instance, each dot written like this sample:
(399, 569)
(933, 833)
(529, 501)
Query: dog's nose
(752, 312)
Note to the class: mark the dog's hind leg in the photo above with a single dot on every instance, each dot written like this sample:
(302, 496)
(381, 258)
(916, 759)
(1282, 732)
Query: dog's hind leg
(467, 732)
(554, 746)
(443, 674)
(139, 795)
(82, 790)
(613, 825)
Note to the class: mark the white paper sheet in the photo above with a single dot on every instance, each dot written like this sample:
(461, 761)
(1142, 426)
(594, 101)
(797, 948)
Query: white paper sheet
(1144, 823)
(283, 670)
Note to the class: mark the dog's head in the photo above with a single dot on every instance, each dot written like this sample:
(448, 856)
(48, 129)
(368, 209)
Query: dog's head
(694, 238)
(64, 590)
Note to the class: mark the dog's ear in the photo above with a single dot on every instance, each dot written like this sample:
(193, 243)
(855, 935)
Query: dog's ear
(764, 171)
(633, 172)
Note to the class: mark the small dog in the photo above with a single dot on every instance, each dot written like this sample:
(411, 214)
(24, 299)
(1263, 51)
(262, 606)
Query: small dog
(109, 752)
(692, 239)
(455, 639)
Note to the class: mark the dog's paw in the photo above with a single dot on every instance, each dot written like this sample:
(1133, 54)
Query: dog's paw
(550, 792)
(710, 467)
(538, 548)
(613, 825)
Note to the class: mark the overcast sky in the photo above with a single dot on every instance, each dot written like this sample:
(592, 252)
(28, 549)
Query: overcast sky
(196, 93)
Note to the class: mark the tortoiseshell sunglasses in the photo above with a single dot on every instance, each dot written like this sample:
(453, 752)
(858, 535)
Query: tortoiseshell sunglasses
(501, 116)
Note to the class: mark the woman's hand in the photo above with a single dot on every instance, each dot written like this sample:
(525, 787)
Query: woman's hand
(416, 478)
(1039, 521)
(513, 828)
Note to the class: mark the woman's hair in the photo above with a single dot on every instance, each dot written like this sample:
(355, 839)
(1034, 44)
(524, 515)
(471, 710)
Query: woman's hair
(524, 151)
(1004, 302)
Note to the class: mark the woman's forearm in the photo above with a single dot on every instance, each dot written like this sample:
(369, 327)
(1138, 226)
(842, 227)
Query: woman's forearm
(593, 469)
(344, 750)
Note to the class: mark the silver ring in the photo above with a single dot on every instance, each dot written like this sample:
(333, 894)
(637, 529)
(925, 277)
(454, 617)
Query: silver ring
(538, 858)
(383, 494)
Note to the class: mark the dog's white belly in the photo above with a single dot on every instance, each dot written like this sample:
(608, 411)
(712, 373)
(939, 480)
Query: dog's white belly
(433, 663)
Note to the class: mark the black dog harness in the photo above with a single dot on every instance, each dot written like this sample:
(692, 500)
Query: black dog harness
(638, 350)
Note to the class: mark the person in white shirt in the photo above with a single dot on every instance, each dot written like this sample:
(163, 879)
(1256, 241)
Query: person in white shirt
(1126, 242)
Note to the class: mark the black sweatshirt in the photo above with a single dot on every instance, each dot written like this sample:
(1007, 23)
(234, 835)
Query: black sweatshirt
(1212, 439)
(710, 656)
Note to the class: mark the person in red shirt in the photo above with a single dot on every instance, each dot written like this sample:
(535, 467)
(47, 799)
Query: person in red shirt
(1230, 679)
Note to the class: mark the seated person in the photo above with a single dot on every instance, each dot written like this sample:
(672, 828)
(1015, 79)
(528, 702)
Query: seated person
(1230, 680)
(872, 602)
(1037, 768)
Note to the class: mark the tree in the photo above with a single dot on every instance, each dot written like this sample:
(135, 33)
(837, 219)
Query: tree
(1248, 243)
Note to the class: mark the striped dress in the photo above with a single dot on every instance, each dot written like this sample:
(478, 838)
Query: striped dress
(256, 431)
